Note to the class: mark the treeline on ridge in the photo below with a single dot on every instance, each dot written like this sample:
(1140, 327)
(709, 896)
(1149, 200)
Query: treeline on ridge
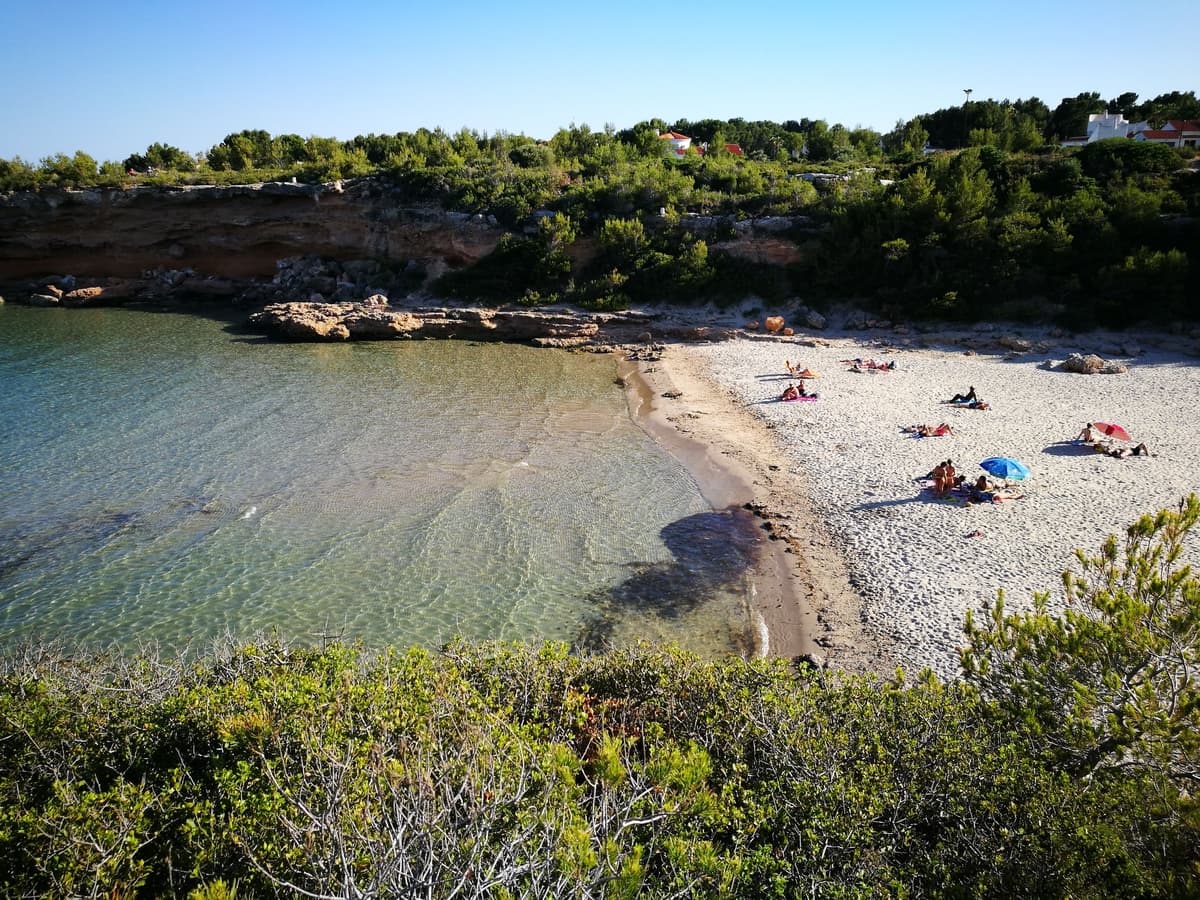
(1002, 222)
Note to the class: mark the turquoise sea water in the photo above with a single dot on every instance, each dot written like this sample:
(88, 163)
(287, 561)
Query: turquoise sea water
(165, 478)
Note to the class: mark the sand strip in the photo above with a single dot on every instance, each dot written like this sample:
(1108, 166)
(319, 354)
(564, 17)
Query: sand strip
(888, 569)
(803, 600)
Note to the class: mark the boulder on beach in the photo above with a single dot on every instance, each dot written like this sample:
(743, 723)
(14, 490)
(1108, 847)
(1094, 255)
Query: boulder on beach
(1091, 364)
(82, 296)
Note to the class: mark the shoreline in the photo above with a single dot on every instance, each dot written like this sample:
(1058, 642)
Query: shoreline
(804, 606)
(888, 568)
(861, 570)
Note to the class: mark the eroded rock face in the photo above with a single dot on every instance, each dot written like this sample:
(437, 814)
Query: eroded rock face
(228, 232)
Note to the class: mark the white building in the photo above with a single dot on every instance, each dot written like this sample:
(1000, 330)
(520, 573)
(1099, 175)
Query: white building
(1175, 133)
(679, 142)
(1101, 126)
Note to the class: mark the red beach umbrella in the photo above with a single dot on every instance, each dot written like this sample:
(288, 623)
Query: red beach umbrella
(1108, 429)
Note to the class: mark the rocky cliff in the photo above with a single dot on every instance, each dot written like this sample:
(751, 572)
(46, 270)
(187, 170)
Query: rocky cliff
(319, 262)
(228, 232)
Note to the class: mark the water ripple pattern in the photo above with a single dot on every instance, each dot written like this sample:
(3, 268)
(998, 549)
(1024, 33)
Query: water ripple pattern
(165, 478)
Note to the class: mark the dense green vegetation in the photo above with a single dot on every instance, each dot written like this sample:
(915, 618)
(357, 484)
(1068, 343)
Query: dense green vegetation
(1065, 764)
(1001, 222)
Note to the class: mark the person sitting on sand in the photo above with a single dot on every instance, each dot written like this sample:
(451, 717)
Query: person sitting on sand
(981, 490)
(968, 397)
(1086, 435)
(791, 392)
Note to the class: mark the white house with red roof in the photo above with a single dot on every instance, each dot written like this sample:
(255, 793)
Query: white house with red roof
(1174, 133)
(681, 143)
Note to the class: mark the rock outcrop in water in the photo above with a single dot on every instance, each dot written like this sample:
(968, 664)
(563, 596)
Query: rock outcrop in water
(375, 319)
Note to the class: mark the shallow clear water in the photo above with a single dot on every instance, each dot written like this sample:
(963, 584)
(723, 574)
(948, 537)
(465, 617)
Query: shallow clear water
(165, 478)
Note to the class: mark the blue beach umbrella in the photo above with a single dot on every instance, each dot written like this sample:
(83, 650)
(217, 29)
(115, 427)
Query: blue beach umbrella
(1004, 467)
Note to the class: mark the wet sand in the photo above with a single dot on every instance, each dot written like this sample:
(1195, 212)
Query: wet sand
(803, 603)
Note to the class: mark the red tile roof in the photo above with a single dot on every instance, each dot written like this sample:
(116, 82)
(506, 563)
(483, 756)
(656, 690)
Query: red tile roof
(675, 136)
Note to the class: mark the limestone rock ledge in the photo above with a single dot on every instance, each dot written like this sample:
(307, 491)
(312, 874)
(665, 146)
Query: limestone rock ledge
(374, 319)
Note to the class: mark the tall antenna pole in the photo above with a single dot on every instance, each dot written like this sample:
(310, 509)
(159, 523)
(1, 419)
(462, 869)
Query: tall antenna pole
(966, 91)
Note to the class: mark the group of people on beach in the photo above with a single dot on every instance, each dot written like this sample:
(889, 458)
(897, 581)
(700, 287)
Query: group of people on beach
(868, 365)
(945, 480)
(794, 392)
(1087, 437)
(797, 391)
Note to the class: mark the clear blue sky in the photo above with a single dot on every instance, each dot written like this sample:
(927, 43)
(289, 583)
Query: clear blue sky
(110, 79)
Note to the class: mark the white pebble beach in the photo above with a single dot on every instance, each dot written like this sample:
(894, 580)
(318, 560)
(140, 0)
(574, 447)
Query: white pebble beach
(918, 562)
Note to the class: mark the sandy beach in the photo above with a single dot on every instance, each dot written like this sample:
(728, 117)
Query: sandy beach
(879, 573)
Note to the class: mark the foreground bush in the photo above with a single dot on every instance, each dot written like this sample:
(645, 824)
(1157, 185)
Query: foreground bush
(507, 770)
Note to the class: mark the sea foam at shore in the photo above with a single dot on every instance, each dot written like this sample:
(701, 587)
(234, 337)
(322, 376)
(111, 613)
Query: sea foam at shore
(920, 562)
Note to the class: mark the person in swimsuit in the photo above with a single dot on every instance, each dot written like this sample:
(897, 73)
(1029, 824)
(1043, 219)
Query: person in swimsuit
(968, 397)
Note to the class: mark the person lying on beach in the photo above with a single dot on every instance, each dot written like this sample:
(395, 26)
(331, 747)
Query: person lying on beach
(998, 494)
(968, 397)
(984, 490)
(797, 372)
(927, 430)
(1122, 452)
(792, 392)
